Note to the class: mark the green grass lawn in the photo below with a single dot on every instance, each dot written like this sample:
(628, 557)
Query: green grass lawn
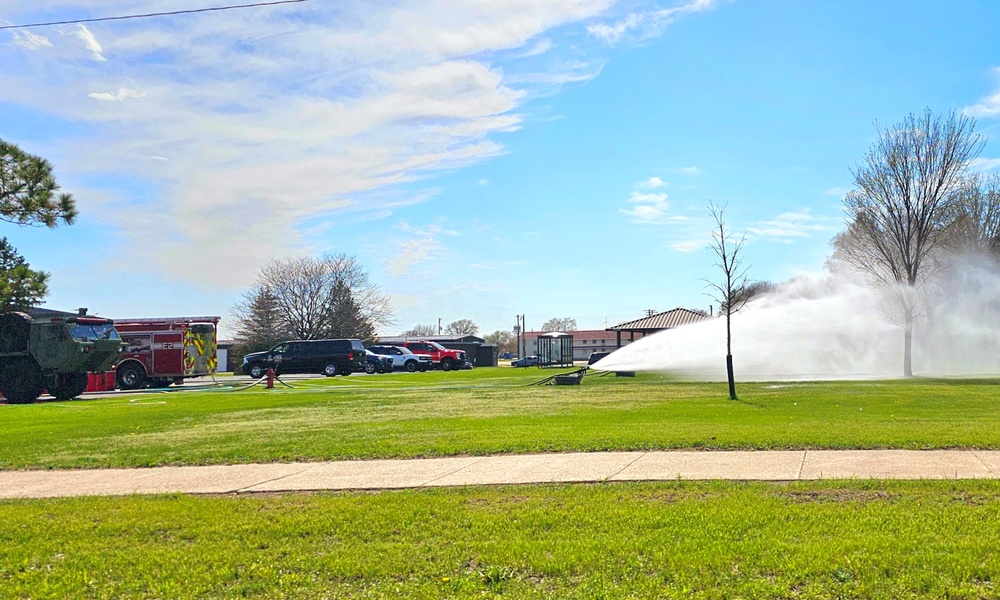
(664, 540)
(890, 540)
(490, 411)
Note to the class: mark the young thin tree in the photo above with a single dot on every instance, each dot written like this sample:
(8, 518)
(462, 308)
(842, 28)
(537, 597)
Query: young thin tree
(905, 198)
(728, 291)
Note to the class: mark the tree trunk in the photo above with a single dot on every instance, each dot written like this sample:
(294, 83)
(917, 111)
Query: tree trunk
(908, 339)
(732, 379)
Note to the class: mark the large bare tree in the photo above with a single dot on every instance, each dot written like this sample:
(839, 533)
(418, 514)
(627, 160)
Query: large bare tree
(315, 298)
(462, 327)
(906, 192)
(730, 291)
(557, 324)
(975, 225)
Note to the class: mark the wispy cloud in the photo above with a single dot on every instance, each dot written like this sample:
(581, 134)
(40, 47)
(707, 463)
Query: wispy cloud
(839, 192)
(690, 171)
(26, 39)
(118, 96)
(689, 245)
(985, 164)
(653, 182)
(792, 225)
(291, 115)
(421, 245)
(988, 106)
(644, 25)
(81, 32)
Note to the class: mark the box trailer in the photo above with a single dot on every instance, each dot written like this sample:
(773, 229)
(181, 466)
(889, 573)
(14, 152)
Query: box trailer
(160, 352)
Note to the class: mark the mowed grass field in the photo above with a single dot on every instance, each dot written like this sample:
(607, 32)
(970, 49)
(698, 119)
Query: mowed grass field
(854, 539)
(492, 411)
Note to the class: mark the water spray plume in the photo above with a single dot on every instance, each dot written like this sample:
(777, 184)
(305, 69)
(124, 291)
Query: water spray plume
(835, 327)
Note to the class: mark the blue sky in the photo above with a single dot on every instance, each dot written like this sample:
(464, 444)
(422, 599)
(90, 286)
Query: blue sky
(480, 159)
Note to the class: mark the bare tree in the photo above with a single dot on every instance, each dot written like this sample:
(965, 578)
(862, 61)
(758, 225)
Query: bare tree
(462, 327)
(421, 331)
(975, 224)
(315, 298)
(904, 201)
(503, 340)
(730, 290)
(557, 324)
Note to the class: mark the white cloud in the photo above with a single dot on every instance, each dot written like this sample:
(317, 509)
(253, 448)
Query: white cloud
(278, 122)
(988, 106)
(688, 245)
(89, 41)
(26, 39)
(691, 171)
(658, 199)
(791, 225)
(118, 96)
(421, 245)
(653, 183)
(644, 25)
(541, 47)
(985, 164)
(836, 191)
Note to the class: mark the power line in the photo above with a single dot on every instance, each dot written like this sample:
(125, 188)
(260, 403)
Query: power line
(159, 14)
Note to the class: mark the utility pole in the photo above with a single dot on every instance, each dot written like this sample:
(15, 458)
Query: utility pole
(439, 325)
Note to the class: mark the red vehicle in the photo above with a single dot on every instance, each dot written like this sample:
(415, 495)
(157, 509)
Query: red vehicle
(446, 358)
(164, 351)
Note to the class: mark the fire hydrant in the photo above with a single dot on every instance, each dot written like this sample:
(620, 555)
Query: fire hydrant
(270, 379)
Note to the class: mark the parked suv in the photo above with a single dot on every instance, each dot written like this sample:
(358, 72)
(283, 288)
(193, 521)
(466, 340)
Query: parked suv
(403, 359)
(446, 358)
(327, 357)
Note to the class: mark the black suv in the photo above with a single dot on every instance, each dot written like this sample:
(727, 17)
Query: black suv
(327, 357)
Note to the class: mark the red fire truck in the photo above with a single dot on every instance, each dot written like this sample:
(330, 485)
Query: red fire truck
(164, 351)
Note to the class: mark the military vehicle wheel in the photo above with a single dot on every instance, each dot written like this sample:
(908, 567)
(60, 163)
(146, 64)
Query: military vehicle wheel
(330, 369)
(21, 381)
(15, 328)
(131, 376)
(70, 385)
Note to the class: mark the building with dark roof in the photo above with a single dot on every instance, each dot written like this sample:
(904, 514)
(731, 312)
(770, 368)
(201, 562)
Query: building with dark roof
(657, 322)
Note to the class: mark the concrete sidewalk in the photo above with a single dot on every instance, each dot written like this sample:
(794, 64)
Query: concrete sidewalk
(507, 469)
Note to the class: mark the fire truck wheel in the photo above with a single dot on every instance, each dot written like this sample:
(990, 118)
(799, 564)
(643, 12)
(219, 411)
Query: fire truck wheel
(447, 364)
(330, 369)
(70, 385)
(21, 381)
(131, 376)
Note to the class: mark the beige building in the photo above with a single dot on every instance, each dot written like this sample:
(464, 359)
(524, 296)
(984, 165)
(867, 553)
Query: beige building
(588, 341)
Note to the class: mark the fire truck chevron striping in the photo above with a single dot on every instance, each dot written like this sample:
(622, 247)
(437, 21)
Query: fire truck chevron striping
(165, 351)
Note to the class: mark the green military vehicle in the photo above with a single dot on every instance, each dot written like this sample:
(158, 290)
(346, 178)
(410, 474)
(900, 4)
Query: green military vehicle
(54, 351)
